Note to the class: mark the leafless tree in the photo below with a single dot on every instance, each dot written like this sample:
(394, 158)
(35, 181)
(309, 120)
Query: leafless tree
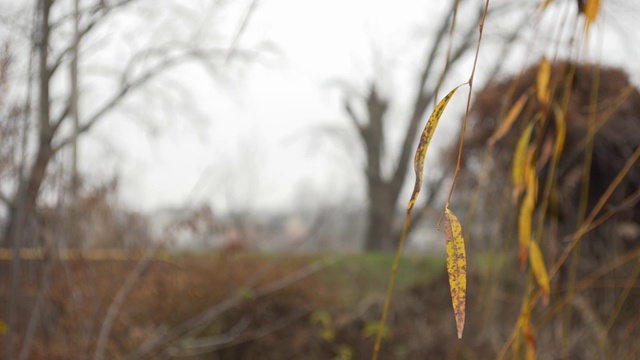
(383, 190)
(55, 52)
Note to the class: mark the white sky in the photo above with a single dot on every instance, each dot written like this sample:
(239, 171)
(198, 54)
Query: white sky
(255, 136)
(266, 116)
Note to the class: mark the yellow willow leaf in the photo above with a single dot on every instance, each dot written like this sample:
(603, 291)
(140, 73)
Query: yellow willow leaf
(523, 325)
(539, 270)
(529, 161)
(508, 121)
(531, 343)
(591, 11)
(520, 157)
(561, 133)
(423, 145)
(525, 217)
(456, 267)
(542, 82)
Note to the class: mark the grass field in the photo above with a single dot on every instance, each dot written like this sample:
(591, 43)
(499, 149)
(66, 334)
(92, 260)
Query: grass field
(266, 306)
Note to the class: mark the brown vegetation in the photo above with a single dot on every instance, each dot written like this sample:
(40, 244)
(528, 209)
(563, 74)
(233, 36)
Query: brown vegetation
(598, 282)
(327, 315)
(281, 325)
(617, 124)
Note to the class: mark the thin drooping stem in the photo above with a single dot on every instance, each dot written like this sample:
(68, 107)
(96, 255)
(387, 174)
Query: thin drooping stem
(468, 107)
(390, 287)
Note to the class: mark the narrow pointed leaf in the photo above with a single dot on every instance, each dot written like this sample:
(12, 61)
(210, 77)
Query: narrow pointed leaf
(591, 12)
(520, 159)
(508, 121)
(539, 270)
(561, 134)
(542, 82)
(531, 343)
(525, 217)
(456, 267)
(524, 327)
(423, 145)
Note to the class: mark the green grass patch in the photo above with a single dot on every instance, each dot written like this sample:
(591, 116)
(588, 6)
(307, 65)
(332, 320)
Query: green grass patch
(361, 276)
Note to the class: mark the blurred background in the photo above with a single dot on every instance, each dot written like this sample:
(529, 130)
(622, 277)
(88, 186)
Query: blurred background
(196, 179)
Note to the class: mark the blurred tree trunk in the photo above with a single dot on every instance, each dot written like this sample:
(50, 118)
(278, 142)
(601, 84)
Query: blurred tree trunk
(24, 201)
(74, 99)
(383, 191)
(23, 205)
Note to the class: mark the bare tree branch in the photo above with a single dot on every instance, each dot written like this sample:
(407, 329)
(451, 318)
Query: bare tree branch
(118, 301)
(100, 12)
(423, 99)
(226, 340)
(357, 123)
(198, 346)
(130, 86)
(4, 199)
(206, 317)
(243, 26)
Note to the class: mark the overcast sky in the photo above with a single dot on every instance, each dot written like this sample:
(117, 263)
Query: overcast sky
(271, 132)
(262, 135)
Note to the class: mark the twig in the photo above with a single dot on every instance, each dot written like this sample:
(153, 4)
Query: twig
(214, 343)
(586, 225)
(204, 318)
(243, 26)
(468, 108)
(197, 346)
(37, 310)
(118, 301)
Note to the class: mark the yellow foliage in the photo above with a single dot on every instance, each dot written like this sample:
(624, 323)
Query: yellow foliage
(456, 267)
(542, 83)
(423, 145)
(525, 217)
(508, 121)
(539, 270)
(520, 159)
(591, 12)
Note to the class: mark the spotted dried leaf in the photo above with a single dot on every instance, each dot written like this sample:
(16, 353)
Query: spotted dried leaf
(456, 267)
(423, 145)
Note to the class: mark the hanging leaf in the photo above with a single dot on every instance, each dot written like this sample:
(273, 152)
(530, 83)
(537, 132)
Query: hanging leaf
(539, 270)
(525, 217)
(591, 12)
(456, 267)
(561, 134)
(423, 145)
(524, 328)
(531, 341)
(508, 121)
(542, 83)
(520, 159)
